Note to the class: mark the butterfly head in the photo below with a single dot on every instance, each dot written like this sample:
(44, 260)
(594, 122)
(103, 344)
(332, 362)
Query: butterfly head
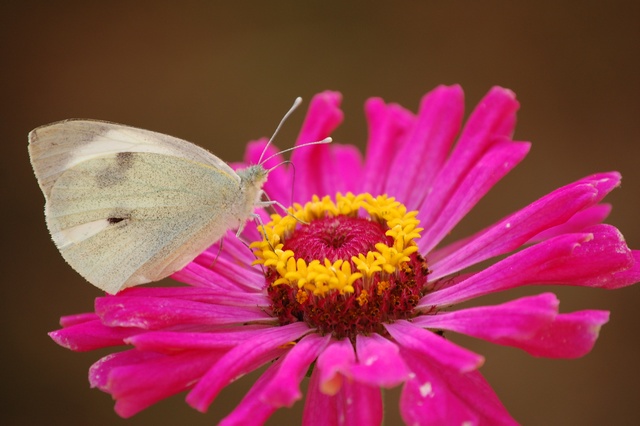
(255, 176)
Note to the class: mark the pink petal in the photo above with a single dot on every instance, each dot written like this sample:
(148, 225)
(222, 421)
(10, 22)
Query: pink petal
(218, 271)
(354, 404)
(312, 176)
(69, 320)
(585, 259)
(252, 410)
(434, 347)
(336, 359)
(568, 336)
(437, 396)
(174, 341)
(627, 276)
(513, 231)
(100, 370)
(91, 335)
(233, 251)
(347, 164)
(428, 143)
(280, 384)
(495, 115)
(136, 387)
(379, 362)
(518, 319)
(441, 217)
(231, 270)
(243, 358)
(155, 312)
(198, 294)
(591, 216)
(597, 262)
(197, 275)
(530, 323)
(388, 128)
(492, 120)
(283, 388)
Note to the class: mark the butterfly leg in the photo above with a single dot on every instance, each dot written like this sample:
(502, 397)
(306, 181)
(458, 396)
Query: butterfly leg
(270, 202)
(215, 259)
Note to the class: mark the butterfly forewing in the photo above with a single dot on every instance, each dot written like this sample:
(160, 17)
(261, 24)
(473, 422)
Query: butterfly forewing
(58, 147)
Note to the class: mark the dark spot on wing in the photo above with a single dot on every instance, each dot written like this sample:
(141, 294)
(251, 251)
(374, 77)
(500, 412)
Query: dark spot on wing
(118, 215)
(113, 220)
(115, 172)
(124, 159)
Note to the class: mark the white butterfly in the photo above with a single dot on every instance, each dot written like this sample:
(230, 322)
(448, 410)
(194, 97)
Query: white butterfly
(127, 206)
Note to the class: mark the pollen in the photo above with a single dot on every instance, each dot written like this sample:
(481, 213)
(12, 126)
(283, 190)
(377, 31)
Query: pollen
(344, 266)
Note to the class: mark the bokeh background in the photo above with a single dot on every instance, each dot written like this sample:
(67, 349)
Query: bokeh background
(220, 74)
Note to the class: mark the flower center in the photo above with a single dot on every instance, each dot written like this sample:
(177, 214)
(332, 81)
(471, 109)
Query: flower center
(344, 267)
(334, 238)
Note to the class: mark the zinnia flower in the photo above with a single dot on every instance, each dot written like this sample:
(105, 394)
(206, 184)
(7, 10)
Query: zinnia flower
(354, 287)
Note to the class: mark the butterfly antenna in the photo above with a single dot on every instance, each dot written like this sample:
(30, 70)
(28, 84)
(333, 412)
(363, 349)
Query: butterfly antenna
(295, 105)
(293, 181)
(279, 204)
(322, 142)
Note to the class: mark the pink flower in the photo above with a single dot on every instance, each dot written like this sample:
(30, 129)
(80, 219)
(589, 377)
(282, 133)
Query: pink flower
(359, 290)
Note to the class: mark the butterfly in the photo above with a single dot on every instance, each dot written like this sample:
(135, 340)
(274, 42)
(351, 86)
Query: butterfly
(127, 206)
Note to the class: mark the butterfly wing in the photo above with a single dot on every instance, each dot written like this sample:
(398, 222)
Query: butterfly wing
(57, 147)
(126, 206)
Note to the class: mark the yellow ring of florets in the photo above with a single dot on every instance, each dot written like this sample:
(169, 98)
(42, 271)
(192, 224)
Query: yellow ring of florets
(320, 277)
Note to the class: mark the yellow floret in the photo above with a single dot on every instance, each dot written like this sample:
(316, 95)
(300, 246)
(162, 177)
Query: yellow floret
(321, 276)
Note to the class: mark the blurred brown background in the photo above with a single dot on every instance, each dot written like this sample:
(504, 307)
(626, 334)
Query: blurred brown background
(220, 75)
